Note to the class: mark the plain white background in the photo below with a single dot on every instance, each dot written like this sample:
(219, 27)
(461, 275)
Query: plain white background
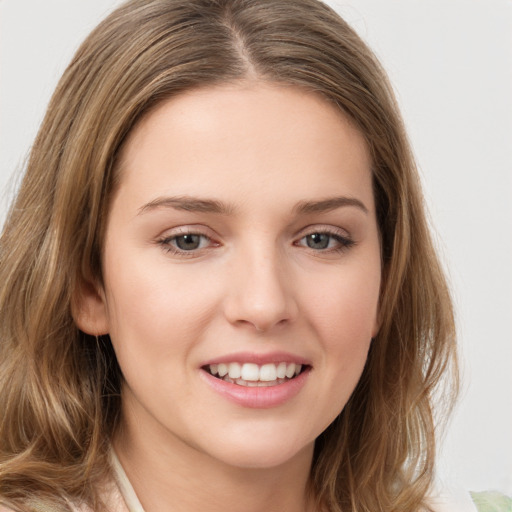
(451, 64)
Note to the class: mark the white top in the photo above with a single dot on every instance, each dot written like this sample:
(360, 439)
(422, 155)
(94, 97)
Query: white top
(126, 488)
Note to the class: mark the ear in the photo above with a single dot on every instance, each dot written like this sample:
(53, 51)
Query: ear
(89, 309)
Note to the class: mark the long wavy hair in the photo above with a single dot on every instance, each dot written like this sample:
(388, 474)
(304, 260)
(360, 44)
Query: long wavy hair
(60, 388)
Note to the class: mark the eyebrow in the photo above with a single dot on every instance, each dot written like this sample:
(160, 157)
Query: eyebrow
(189, 204)
(329, 204)
(193, 204)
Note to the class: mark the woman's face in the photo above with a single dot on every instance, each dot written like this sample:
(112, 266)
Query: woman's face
(242, 239)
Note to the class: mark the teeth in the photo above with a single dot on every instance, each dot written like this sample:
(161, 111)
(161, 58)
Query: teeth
(250, 371)
(268, 372)
(281, 371)
(235, 371)
(251, 374)
(258, 384)
(290, 370)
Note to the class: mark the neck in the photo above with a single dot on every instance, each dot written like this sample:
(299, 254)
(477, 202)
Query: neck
(170, 471)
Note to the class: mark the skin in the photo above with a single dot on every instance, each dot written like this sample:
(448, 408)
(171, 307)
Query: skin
(254, 284)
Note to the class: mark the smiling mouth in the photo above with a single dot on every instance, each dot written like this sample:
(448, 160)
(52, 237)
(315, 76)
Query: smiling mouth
(254, 375)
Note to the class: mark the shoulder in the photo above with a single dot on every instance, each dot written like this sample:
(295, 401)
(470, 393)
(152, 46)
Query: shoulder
(112, 500)
(492, 502)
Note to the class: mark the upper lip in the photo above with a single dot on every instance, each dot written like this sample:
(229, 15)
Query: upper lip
(259, 359)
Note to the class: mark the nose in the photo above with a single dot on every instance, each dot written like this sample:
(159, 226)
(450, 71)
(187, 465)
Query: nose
(261, 291)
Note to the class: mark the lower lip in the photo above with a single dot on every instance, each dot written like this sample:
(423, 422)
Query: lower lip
(258, 397)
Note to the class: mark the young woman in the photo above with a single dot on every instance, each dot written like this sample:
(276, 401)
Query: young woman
(218, 285)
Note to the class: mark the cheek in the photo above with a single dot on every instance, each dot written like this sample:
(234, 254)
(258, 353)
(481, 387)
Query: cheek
(346, 332)
(156, 309)
(344, 314)
(345, 306)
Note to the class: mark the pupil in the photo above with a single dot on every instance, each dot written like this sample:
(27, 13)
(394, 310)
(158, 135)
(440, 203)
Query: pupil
(188, 242)
(318, 241)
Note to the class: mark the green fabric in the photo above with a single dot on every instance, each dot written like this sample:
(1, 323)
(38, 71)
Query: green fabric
(492, 502)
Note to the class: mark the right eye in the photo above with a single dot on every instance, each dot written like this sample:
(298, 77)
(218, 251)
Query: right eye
(189, 242)
(185, 243)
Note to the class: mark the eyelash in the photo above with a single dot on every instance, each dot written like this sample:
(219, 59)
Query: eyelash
(343, 242)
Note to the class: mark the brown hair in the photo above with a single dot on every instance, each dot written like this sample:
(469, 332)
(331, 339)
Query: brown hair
(59, 388)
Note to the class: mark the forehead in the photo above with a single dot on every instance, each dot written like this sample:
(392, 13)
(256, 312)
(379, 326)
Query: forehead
(272, 136)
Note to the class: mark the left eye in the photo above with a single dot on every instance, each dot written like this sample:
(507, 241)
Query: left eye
(323, 241)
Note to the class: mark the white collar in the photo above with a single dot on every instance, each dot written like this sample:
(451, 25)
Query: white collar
(125, 486)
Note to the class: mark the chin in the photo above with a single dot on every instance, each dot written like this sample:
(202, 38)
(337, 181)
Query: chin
(266, 451)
